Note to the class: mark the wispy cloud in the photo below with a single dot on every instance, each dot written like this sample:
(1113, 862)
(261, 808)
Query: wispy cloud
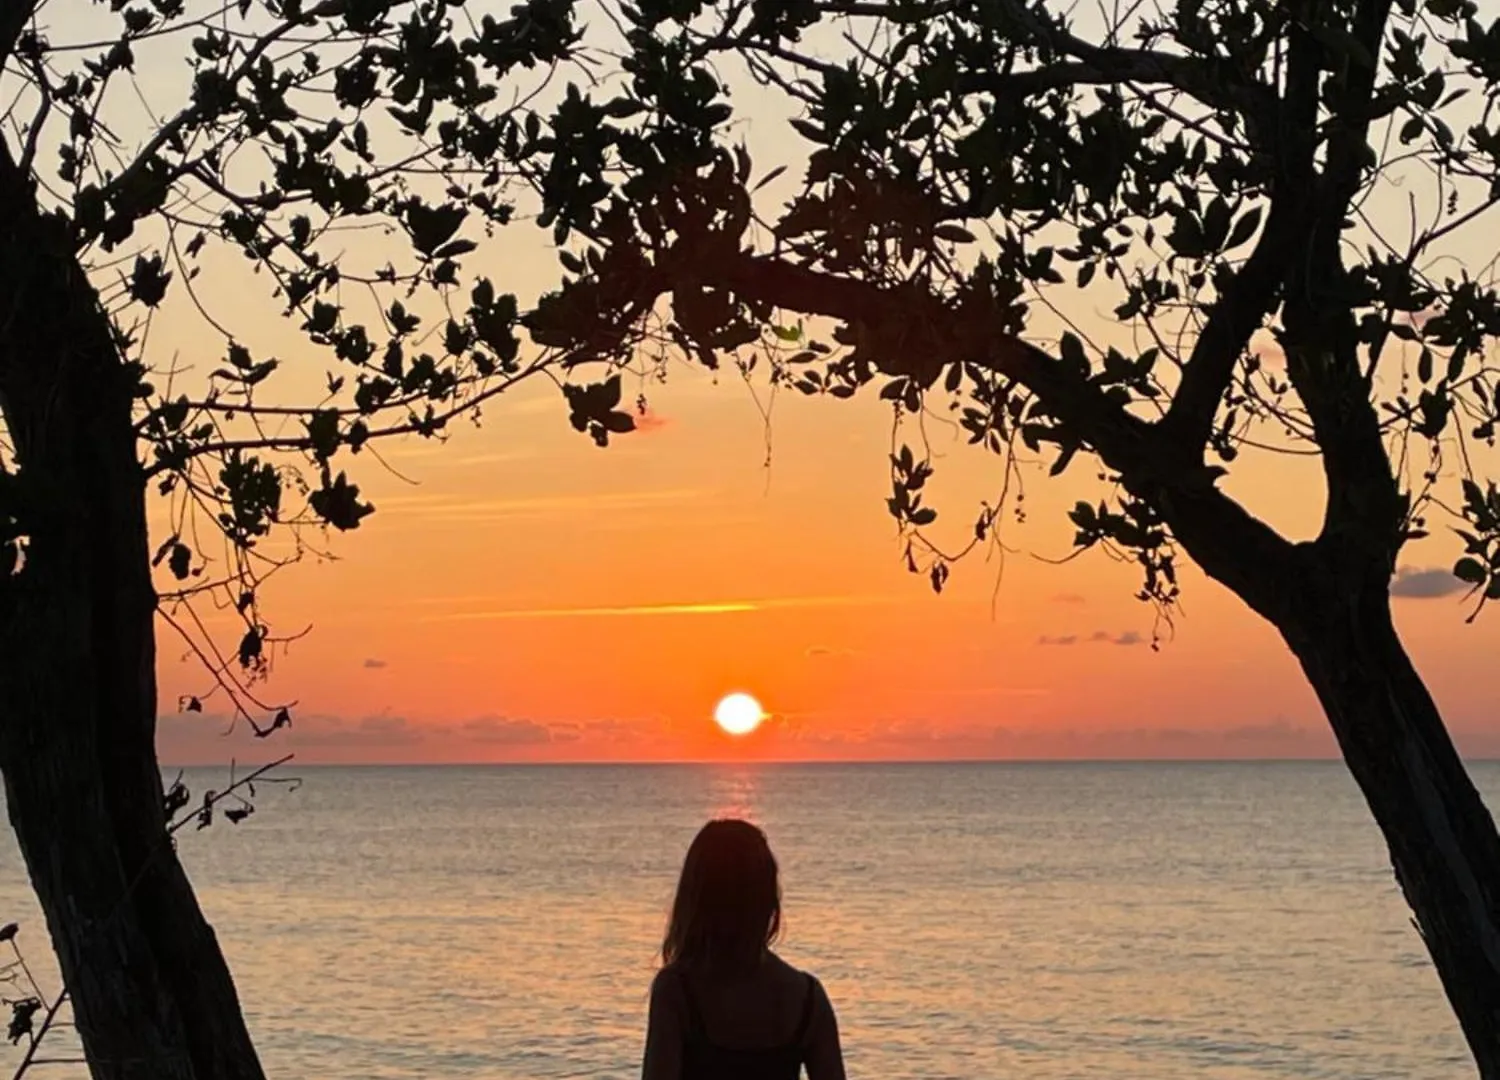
(650, 421)
(505, 731)
(1431, 583)
(717, 607)
(423, 510)
(1098, 637)
(374, 663)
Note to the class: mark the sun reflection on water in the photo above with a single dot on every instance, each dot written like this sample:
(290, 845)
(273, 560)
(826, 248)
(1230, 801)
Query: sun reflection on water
(734, 792)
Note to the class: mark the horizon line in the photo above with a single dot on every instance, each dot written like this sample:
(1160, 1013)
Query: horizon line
(699, 762)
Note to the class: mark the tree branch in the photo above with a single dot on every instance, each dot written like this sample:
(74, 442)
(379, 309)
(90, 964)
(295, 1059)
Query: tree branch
(1258, 285)
(1231, 544)
(14, 15)
(409, 427)
(1353, 115)
(1364, 516)
(1109, 66)
(174, 127)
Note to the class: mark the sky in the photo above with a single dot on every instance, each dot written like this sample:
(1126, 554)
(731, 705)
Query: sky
(522, 595)
(526, 596)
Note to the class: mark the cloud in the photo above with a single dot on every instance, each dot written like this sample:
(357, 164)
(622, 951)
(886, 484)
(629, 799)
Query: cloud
(1069, 598)
(505, 731)
(718, 607)
(375, 663)
(425, 509)
(1430, 583)
(371, 731)
(201, 738)
(1098, 637)
(648, 422)
(923, 738)
(992, 691)
(818, 652)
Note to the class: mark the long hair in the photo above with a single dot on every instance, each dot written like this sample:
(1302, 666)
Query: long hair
(728, 905)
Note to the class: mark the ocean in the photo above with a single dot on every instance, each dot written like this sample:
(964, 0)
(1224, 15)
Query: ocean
(970, 921)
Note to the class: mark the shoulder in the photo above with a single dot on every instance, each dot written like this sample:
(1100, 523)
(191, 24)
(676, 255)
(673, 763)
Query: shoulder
(667, 988)
(794, 976)
(790, 973)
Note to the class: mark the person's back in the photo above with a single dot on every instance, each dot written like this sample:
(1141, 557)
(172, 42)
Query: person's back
(723, 1005)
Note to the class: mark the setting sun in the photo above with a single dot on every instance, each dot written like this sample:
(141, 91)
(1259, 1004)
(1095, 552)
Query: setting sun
(738, 714)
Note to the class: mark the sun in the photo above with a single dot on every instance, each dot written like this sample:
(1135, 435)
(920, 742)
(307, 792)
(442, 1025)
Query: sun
(738, 713)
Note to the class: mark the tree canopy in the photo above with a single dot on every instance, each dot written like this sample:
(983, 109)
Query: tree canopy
(1271, 206)
(330, 178)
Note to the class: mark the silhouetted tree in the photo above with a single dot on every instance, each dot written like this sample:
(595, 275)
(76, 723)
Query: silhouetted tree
(1268, 195)
(333, 160)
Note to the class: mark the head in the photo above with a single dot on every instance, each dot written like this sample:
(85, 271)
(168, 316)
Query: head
(728, 906)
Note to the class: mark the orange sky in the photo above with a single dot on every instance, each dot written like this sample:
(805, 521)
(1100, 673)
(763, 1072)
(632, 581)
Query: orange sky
(526, 596)
(531, 597)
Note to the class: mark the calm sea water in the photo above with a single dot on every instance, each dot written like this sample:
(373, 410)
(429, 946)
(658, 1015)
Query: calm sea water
(970, 921)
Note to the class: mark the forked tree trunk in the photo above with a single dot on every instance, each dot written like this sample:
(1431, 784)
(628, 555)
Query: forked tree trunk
(1442, 839)
(151, 993)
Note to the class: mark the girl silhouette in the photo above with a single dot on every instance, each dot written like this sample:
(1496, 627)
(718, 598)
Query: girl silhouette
(723, 1005)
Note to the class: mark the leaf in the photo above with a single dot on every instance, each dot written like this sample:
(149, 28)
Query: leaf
(1073, 354)
(337, 503)
(431, 227)
(148, 282)
(1244, 228)
(323, 319)
(923, 515)
(452, 250)
(180, 561)
(251, 646)
(622, 108)
(323, 433)
(772, 175)
(282, 719)
(1471, 571)
(8, 932)
(810, 131)
(1186, 237)
(956, 233)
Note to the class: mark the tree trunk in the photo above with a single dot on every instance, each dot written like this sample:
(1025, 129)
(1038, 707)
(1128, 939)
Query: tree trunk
(1442, 840)
(152, 996)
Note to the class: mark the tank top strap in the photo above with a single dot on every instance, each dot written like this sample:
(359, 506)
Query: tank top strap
(695, 1018)
(805, 1024)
